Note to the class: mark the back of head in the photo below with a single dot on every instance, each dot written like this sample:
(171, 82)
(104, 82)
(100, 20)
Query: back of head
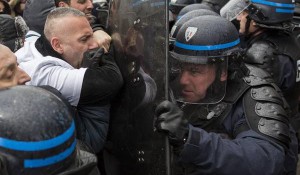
(12, 31)
(216, 5)
(192, 7)
(176, 5)
(271, 12)
(37, 132)
(35, 13)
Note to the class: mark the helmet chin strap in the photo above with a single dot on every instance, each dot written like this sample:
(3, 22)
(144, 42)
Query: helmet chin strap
(249, 34)
(247, 25)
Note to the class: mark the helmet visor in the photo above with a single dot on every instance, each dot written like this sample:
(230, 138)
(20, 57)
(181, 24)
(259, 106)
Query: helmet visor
(233, 8)
(203, 82)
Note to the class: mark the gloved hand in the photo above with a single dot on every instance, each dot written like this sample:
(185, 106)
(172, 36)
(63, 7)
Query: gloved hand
(92, 58)
(169, 119)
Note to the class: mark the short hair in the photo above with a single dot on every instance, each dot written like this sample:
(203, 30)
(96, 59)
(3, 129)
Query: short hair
(58, 13)
(65, 1)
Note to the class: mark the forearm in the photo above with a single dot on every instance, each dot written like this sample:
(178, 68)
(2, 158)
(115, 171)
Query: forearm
(248, 154)
(101, 84)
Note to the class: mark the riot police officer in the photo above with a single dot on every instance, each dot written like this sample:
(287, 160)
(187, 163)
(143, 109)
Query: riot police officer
(267, 31)
(38, 134)
(227, 117)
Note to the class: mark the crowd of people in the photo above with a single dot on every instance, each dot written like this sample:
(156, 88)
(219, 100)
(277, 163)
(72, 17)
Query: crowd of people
(234, 82)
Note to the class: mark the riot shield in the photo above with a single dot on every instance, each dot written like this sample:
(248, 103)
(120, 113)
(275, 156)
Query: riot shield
(139, 35)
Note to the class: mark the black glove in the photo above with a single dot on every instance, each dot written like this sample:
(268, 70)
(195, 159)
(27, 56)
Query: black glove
(169, 119)
(92, 58)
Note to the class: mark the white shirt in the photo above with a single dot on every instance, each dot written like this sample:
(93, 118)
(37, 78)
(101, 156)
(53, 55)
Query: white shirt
(51, 71)
(32, 36)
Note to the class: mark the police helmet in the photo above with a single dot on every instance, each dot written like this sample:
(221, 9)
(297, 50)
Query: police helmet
(216, 5)
(192, 7)
(261, 11)
(190, 15)
(209, 41)
(37, 132)
(176, 5)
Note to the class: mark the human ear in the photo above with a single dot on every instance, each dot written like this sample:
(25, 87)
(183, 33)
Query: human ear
(223, 75)
(62, 4)
(56, 45)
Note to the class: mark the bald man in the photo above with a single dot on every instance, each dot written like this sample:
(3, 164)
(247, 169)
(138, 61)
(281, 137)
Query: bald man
(56, 59)
(10, 73)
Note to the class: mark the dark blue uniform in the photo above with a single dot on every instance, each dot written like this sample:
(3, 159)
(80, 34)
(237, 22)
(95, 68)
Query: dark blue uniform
(243, 136)
(278, 52)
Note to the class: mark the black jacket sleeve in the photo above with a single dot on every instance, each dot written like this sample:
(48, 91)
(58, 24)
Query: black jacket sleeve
(101, 83)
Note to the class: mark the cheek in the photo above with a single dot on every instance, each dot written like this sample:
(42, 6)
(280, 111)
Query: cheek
(206, 81)
(80, 7)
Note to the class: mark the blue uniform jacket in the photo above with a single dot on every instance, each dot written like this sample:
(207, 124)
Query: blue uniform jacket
(249, 153)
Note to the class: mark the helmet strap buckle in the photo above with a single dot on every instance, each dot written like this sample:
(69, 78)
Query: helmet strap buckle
(254, 11)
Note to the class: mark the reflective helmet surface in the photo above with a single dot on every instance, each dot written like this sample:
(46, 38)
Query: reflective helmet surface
(205, 36)
(192, 7)
(190, 15)
(176, 5)
(261, 11)
(204, 41)
(37, 132)
(215, 4)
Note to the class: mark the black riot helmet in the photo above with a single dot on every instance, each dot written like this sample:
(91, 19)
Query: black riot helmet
(190, 15)
(216, 5)
(192, 7)
(269, 12)
(201, 49)
(176, 5)
(37, 132)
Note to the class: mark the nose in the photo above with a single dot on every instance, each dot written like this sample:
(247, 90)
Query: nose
(239, 16)
(23, 77)
(90, 5)
(93, 44)
(184, 77)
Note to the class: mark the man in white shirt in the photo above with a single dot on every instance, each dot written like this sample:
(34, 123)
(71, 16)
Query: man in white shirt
(56, 58)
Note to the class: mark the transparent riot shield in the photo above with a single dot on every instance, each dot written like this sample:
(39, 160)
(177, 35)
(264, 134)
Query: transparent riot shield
(138, 30)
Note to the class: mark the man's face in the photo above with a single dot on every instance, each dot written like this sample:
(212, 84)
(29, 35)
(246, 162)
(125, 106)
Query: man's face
(195, 79)
(85, 6)
(10, 73)
(1, 7)
(242, 18)
(76, 39)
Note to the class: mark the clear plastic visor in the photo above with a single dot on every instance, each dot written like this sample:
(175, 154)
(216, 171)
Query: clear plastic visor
(197, 83)
(233, 8)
